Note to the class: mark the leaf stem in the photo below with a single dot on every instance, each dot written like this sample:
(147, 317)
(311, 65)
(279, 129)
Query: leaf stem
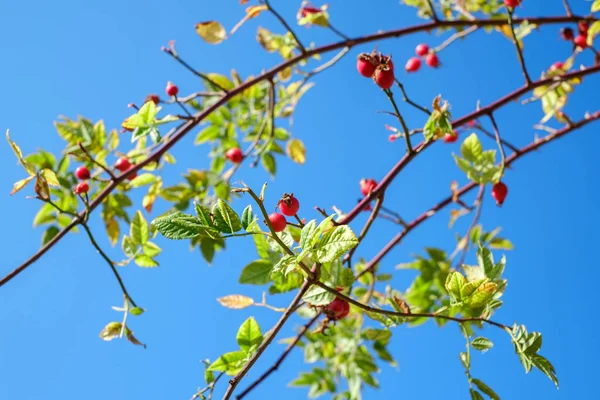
(390, 96)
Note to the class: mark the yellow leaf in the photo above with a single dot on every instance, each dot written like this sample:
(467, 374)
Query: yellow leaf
(251, 12)
(50, 177)
(596, 6)
(21, 184)
(211, 31)
(295, 149)
(28, 167)
(235, 301)
(593, 31)
(112, 228)
(285, 74)
(266, 39)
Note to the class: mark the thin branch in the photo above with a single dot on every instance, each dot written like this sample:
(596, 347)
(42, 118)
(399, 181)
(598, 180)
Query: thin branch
(455, 37)
(433, 13)
(478, 204)
(337, 31)
(492, 136)
(365, 229)
(281, 358)
(193, 96)
(286, 25)
(519, 49)
(390, 95)
(182, 130)
(193, 71)
(102, 166)
(567, 8)
(499, 142)
(184, 108)
(409, 101)
(210, 388)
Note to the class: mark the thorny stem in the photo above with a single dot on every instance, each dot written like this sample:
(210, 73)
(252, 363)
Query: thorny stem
(519, 49)
(390, 95)
(499, 142)
(286, 25)
(409, 101)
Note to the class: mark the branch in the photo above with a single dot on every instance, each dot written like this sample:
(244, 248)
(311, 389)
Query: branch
(493, 136)
(499, 142)
(567, 8)
(455, 37)
(281, 358)
(519, 49)
(409, 101)
(470, 186)
(183, 129)
(286, 25)
(193, 71)
(390, 95)
(478, 204)
(365, 229)
(102, 166)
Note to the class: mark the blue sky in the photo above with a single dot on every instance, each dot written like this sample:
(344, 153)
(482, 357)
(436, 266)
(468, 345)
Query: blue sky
(92, 58)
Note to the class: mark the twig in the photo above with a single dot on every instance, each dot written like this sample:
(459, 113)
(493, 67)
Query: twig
(567, 8)
(455, 37)
(193, 71)
(478, 205)
(409, 101)
(433, 13)
(286, 25)
(281, 358)
(499, 142)
(365, 229)
(337, 32)
(492, 136)
(390, 95)
(184, 108)
(519, 49)
(107, 170)
(210, 387)
(192, 96)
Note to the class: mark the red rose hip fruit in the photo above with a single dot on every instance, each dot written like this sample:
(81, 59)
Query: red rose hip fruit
(171, 89)
(123, 164)
(132, 176)
(153, 98)
(277, 221)
(432, 60)
(512, 3)
(413, 65)
(449, 138)
(566, 33)
(82, 187)
(422, 49)
(289, 205)
(583, 28)
(365, 65)
(82, 173)
(557, 65)
(384, 78)
(581, 41)
(499, 192)
(337, 309)
(234, 155)
(367, 186)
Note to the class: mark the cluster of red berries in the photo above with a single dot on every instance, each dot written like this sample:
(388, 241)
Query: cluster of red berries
(83, 174)
(288, 205)
(580, 40)
(123, 164)
(422, 50)
(378, 67)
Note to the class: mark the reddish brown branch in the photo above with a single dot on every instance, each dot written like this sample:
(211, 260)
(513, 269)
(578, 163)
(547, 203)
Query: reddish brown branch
(187, 126)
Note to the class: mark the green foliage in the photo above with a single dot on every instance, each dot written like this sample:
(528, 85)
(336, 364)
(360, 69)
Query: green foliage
(249, 337)
(478, 164)
(527, 346)
(438, 123)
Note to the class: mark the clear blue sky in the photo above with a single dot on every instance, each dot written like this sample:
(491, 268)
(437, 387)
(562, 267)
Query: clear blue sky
(92, 58)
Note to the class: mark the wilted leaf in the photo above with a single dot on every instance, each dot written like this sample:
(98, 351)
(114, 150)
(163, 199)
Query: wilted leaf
(296, 151)
(21, 184)
(235, 301)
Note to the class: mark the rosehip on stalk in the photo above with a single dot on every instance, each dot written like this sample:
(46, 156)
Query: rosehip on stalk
(512, 3)
(235, 155)
(581, 41)
(277, 221)
(289, 205)
(392, 138)
(132, 176)
(153, 98)
(422, 49)
(384, 77)
(82, 173)
(566, 33)
(367, 186)
(123, 164)
(337, 309)
(366, 65)
(583, 27)
(413, 65)
(171, 89)
(82, 187)
(556, 66)
(432, 60)
(450, 138)
(499, 192)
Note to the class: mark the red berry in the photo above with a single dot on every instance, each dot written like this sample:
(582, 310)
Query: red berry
(278, 222)
(581, 41)
(337, 309)
(82, 173)
(365, 65)
(422, 49)
(557, 65)
(367, 186)
(566, 33)
(235, 155)
(472, 123)
(82, 187)
(171, 89)
(131, 176)
(583, 28)
(384, 78)
(449, 138)
(413, 64)
(512, 3)
(432, 60)
(392, 138)
(289, 205)
(153, 98)
(499, 192)
(123, 164)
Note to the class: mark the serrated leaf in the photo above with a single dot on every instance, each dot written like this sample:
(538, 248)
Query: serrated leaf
(225, 219)
(145, 261)
(335, 243)
(485, 259)
(15, 148)
(247, 217)
(229, 363)
(21, 184)
(150, 249)
(138, 231)
(179, 226)
(307, 235)
(111, 331)
(50, 177)
(482, 295)
(454, 285)
(211, 31)
(256, 273)
(236, 301)
(482, 344)
(317, 296)
(471, 148)
(129, 249)
(296, 151)
(485, 389)
(545, 366)
(382, 335)
(249, 335)
(143, 179)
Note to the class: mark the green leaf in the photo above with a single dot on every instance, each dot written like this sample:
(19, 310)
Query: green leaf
(229, 363)
(335, 243)
(485, 389)
(501, 244)
(49, 234)
(148, 112)
(268, 162)
(482, 295)
(256, 273)
(136, 311)
(475, 395)
(307, 235)
(151, 249)
(595, 6)
(317, 296)
(485, 259)
(454, 285)
(249, 335)
(482, 344)
(50, 177)
(247, 217)
(141, 180)
(471, 148)
(382, 335)
(129, 249)
(545, 366)
(179, 226)
(225, 219)
(15, 148)
(145, 261)
(210, 133)
(139, 229)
